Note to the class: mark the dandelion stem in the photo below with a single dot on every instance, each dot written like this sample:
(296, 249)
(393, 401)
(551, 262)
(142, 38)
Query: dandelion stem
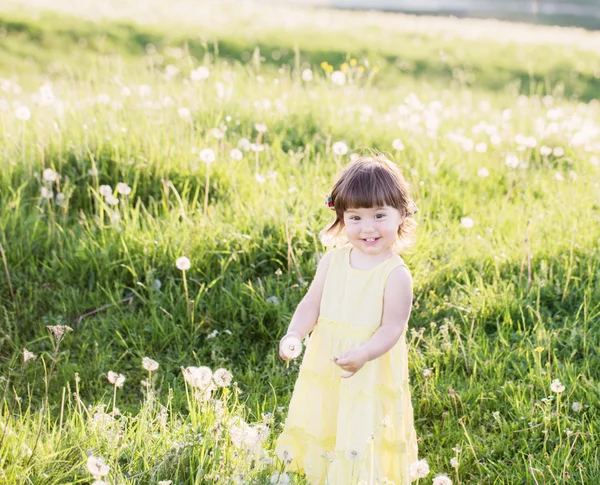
(207, 185)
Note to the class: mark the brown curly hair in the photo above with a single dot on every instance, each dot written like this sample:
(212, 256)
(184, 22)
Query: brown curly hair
(372, 181)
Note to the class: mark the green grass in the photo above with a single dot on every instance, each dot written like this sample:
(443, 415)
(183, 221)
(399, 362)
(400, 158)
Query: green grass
(501, 309)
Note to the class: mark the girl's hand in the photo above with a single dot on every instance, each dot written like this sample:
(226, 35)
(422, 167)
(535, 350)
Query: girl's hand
(351, 361)
(290, 346)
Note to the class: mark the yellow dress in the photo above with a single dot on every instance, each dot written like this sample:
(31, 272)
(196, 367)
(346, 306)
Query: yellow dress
(335, 417)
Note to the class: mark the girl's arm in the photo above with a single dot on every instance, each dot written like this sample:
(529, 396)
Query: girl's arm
(397, 304)
(306, 314)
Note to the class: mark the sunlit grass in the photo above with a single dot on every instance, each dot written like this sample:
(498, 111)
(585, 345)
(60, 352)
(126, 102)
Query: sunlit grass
(107, 180)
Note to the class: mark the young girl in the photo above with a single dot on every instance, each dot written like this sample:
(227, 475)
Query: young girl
(350, 417)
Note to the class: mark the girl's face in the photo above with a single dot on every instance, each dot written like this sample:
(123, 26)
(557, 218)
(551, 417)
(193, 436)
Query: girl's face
(372, 230)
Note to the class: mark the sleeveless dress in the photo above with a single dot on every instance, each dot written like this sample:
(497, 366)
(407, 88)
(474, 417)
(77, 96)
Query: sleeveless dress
(330, 419)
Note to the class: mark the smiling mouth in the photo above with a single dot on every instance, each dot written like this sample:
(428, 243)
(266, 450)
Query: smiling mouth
(370, 239)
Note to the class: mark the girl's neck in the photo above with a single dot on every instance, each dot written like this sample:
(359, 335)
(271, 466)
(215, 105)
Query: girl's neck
(362, 261)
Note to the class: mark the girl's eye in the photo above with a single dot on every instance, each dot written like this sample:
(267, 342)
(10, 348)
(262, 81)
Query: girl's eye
(382, 215)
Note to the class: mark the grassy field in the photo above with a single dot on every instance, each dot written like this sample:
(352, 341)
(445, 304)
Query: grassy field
(110, 116)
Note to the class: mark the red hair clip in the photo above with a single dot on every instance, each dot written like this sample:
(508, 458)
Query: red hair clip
(329, 202)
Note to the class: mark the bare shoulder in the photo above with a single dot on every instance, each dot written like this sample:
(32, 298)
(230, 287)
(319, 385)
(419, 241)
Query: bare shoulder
(397, 299)
(399, 279)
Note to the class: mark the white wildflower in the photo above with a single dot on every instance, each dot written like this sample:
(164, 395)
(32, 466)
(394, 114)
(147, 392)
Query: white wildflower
(49, 175)
(105, 190)
(307, 75)
(260, 127)
(442, 479)
(97, 466)
(149, 364)
(557, 386)
(22, 113)
(222, 377)
(398, 145)
(236, 154)
(198, 377)
(123, 188)
(483, 172)
(184, 113)
(244, 144)
(207, 155)
(115, 379)
(340, 148)
(199, 74)
(291, 346)
(338, 78)
(27, 356)
(466, 222)
(183, 263)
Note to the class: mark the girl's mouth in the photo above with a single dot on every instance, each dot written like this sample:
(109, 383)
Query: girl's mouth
(371, 240)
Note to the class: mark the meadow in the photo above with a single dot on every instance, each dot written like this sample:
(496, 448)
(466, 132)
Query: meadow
(163, 169)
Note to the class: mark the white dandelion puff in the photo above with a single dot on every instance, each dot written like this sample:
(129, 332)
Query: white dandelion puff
(49, 175)
(105, 190)
(483, 172)
(244, 144)
(236, 154)
(183, 263)
(398, 145)
(199, 74)
(97, 466)
(123, 188)
(338, 78)
(222, 377)
(22, 113)
(307, 75)
(340, 148)
(291, 346)
(149, 364)
(466, 222)
(207, 155)
(557, 386)
(442, 479)
(27, 356)
(115, 379)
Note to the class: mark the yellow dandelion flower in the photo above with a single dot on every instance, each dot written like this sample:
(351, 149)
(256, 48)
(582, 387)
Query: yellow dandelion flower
(324, 65)
(375, 69)
(329, 68)
(539, 349)
(361, 68)
(353, 62)
(344, 67)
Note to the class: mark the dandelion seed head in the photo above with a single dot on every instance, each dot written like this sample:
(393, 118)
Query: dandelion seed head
(222, 377)
(58, 331)
(183, 263)
(149, 364)
(338, 78)
(236, 154)
(442, 479)
(207, 155)
(466, 222)
(97, 466)
(557, 386)
(123, 188)
(27, 356)
(115, 379)
(22, 113)
(340, 148)
(49, 175)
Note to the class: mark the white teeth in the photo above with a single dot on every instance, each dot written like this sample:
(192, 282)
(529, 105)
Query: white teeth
(371, 239)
